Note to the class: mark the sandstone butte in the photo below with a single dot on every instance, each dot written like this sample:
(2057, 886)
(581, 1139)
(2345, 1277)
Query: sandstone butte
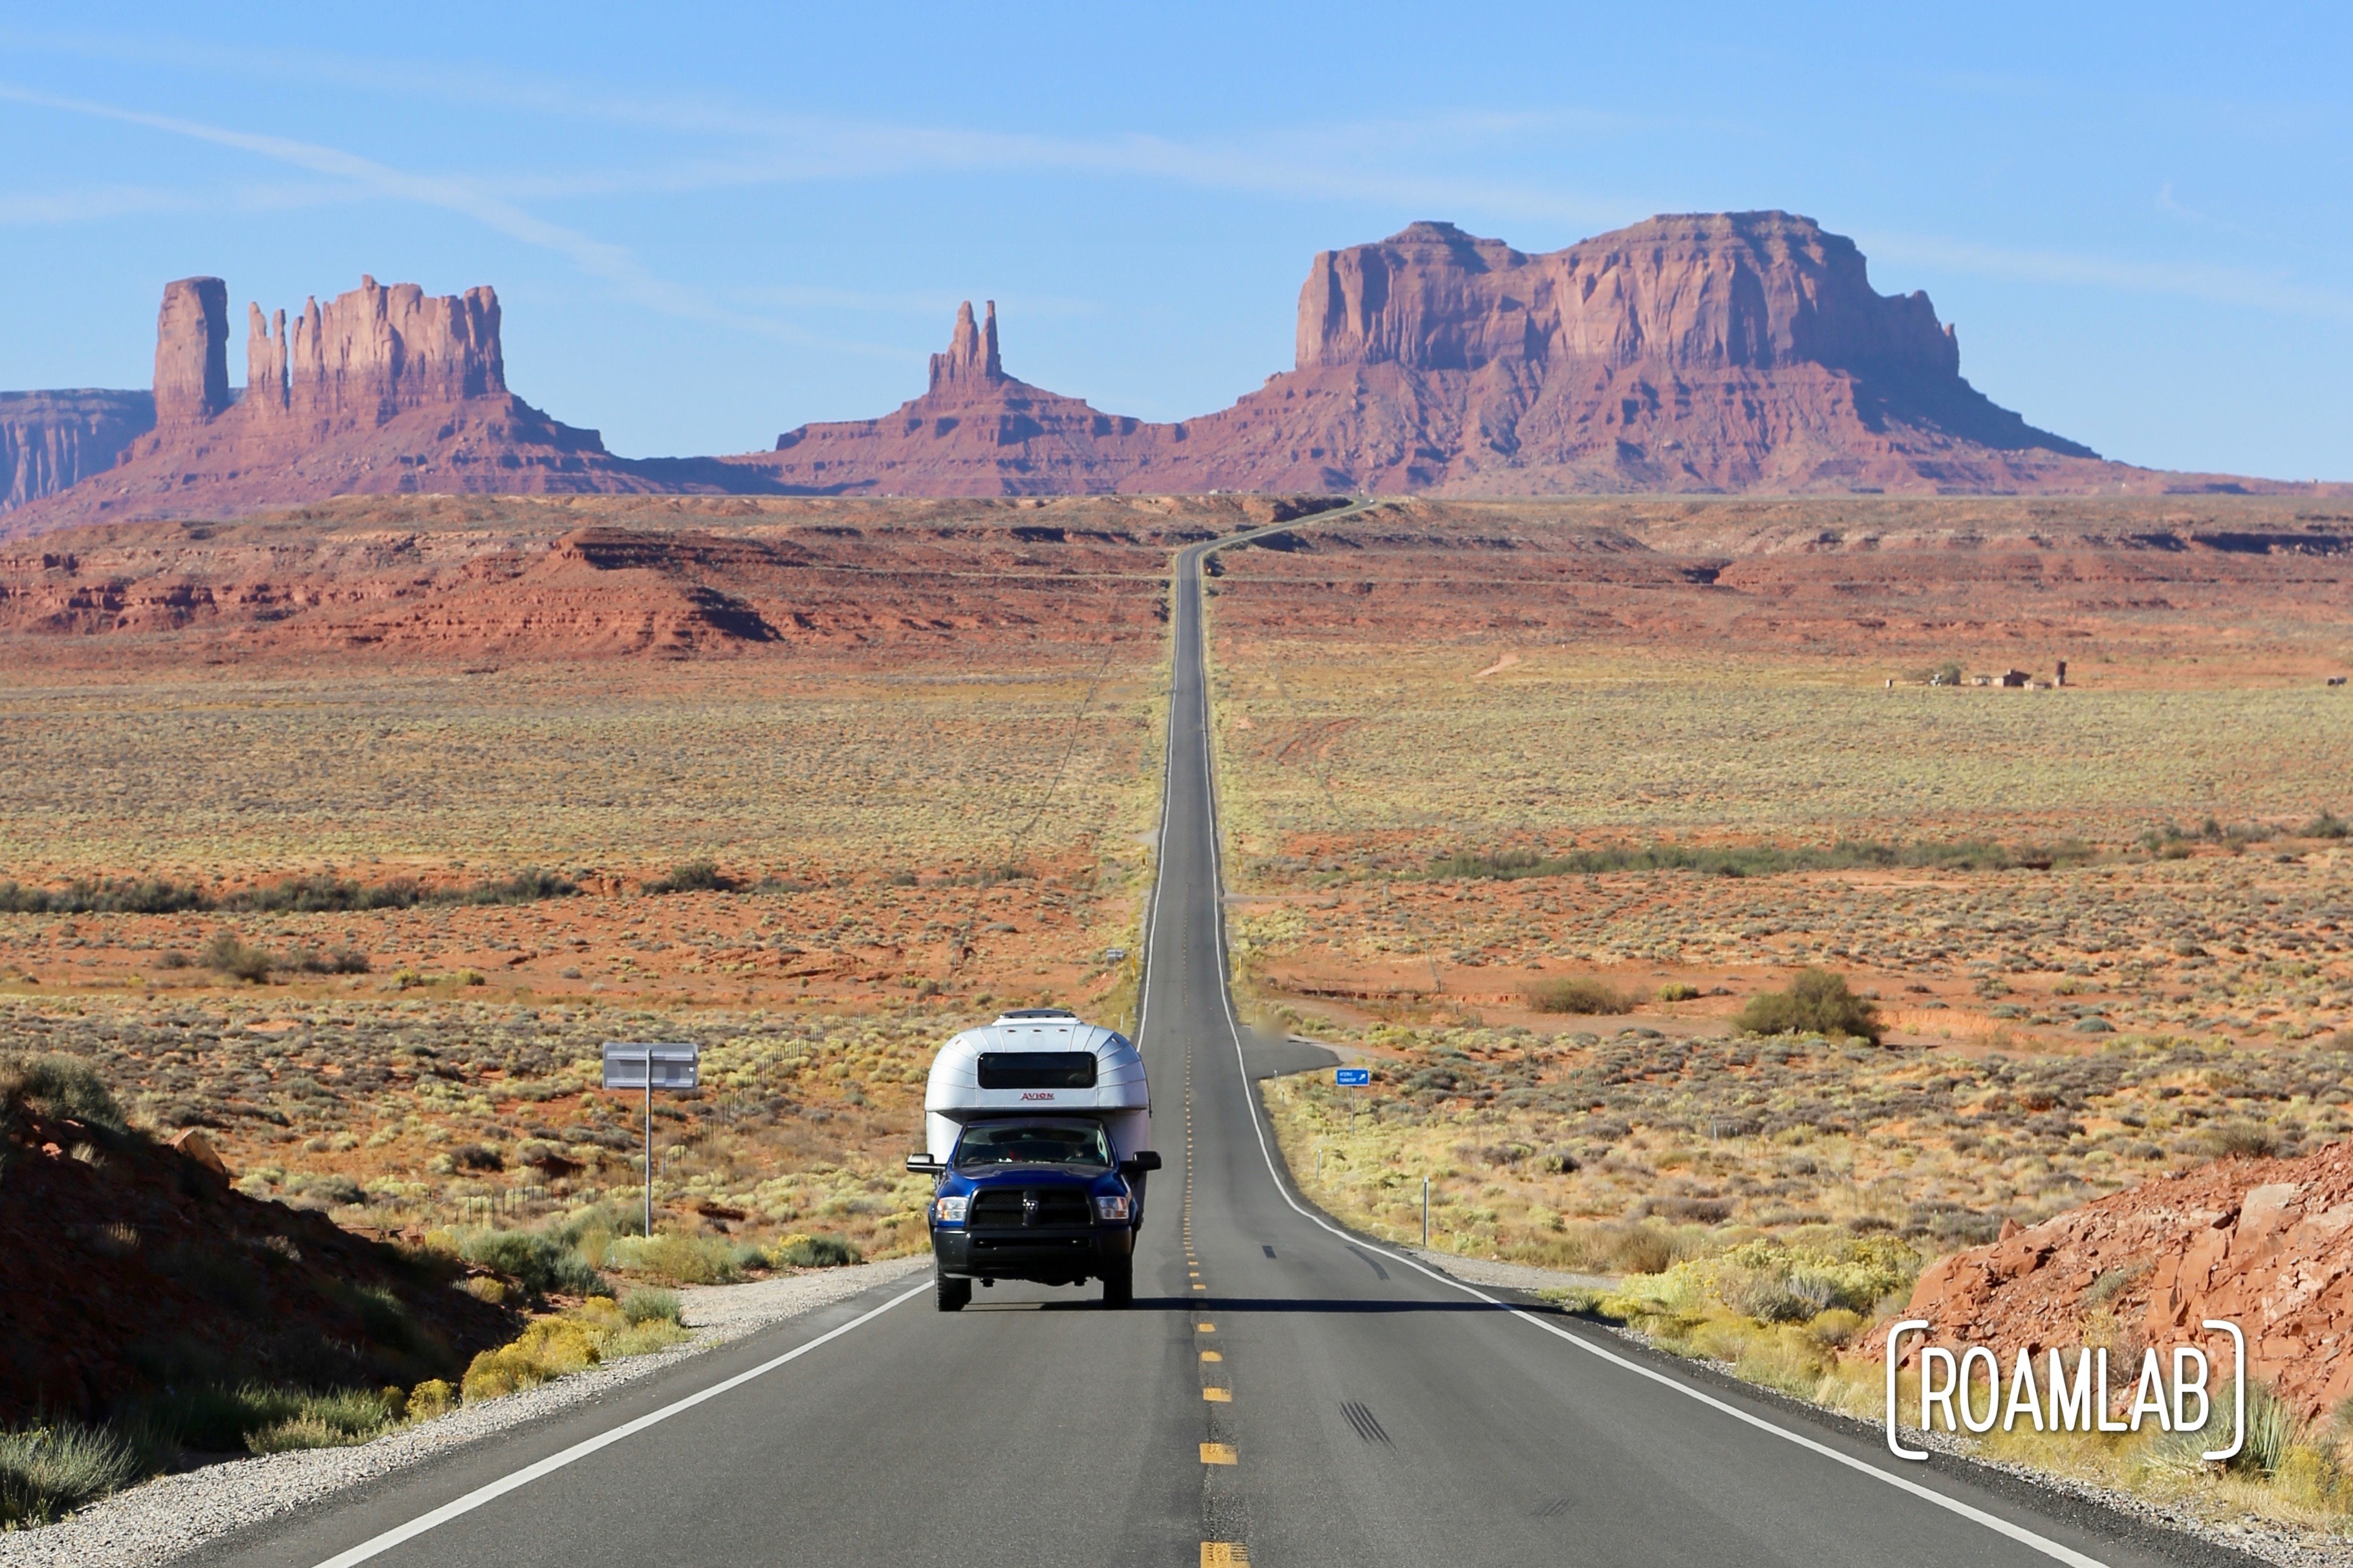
(380, 390)
(2267, 1244)
(1703, 353)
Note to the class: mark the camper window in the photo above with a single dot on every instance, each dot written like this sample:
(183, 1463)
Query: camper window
(1037, 1069)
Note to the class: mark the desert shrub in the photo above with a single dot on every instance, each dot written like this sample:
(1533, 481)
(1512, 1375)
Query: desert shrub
(326, 895)
(2327, 824)
(595, 1331)
(47, 1472)
(267, 1418)
(336, 960)
(684, 1259)
(2240, 1139)
(546, 1351)
(1770, 1281)
(812, 1252)
(2274, 1436)
(228, 954)
(1674, 990)
(545, 1263)
(527, 886)
(430, 1398)
(646, 1306)
(1579, 995)
(693, 877)
(1761, 859)
(149, 896)
(1816, 1002)
(62, 1087)
(336, 1420)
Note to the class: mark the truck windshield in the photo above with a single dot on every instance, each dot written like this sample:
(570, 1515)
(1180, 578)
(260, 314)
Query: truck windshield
(1034, 1143)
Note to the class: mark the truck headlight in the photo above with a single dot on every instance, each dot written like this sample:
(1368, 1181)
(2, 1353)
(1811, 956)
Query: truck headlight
(950, 1211)
(1111, 1209)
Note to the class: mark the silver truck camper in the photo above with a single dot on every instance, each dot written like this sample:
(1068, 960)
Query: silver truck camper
(1038, 1059)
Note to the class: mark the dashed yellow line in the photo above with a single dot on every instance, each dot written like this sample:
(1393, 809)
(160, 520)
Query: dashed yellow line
(1224, 1554)
(1211, 1356)
(1219, 1454)
(1219, 1395)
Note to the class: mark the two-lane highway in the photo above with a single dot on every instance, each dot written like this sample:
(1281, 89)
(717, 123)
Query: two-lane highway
(1280, 1393)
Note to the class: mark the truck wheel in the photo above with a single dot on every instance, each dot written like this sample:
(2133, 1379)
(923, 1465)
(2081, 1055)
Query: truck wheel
(953, 1295)
(1119, 1285)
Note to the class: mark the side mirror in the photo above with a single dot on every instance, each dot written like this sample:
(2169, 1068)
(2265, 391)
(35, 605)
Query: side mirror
(922, 1163)
(1136, 1164)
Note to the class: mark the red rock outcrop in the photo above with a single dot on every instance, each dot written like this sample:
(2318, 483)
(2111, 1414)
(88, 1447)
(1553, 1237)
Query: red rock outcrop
(192, 353)
(50, 441)
(2267, 1244)
(381, 390)
(977, 431)
(1702, 353)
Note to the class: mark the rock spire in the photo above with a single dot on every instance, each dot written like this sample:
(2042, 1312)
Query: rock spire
(192, 352)
(971, 363)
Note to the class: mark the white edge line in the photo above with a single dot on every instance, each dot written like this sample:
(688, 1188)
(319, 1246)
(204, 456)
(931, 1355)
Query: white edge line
(1994, 1522)
(473, 1500)
(378, 1545)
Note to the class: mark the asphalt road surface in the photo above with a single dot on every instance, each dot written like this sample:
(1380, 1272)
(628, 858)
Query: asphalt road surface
(1282, 1392)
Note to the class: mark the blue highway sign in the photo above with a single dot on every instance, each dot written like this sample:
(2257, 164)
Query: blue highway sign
(1352, 1078)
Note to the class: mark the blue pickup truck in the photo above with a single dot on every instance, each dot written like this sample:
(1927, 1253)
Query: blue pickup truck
(1036, 1127)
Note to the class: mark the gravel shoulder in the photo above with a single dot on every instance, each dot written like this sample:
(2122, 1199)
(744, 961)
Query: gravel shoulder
(171, 1516)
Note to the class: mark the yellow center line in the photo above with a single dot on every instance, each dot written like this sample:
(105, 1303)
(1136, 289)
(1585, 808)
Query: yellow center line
(1220, 1454)
(1224, 1554)
(1219, 1395)
(1211, 1356)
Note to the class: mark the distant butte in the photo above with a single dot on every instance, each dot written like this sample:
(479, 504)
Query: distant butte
(1703, 352)
(1695, 353)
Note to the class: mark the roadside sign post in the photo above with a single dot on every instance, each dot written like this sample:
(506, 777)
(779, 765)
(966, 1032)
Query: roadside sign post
(1425, 1213)
(1352, 1079)
(649, 1064)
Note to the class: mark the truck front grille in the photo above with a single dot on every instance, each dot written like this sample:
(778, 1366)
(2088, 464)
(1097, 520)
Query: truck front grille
(1027, 1208)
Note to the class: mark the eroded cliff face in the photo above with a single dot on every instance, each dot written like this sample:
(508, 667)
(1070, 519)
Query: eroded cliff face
(374, 351)
(50, 441)
(192, 353)
(382, 389)
(1700, 352)
(1693, 291)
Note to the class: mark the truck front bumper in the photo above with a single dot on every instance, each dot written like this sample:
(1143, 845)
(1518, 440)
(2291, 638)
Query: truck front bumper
(1049, 1256)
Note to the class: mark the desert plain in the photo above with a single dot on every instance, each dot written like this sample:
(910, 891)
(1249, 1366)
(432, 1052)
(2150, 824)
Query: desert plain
(344, 835)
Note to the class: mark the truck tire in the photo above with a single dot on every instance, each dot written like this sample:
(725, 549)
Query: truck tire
(952, 1295)
(1119, 1284)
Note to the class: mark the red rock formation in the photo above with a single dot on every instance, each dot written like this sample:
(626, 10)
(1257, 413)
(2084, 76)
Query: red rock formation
(970, 365)
(49, 440)
(1710, 352)
(382, 389)
(192, 352)
(1698, 352)
(2267, 1244)
(1736, 351)
(976, 432)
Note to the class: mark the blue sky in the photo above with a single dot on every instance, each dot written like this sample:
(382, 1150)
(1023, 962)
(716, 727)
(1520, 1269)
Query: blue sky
(710, 225)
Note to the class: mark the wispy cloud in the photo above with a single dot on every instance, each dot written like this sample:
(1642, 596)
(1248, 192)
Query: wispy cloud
(462, 196)
(2247, 288)
(1369, 161)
